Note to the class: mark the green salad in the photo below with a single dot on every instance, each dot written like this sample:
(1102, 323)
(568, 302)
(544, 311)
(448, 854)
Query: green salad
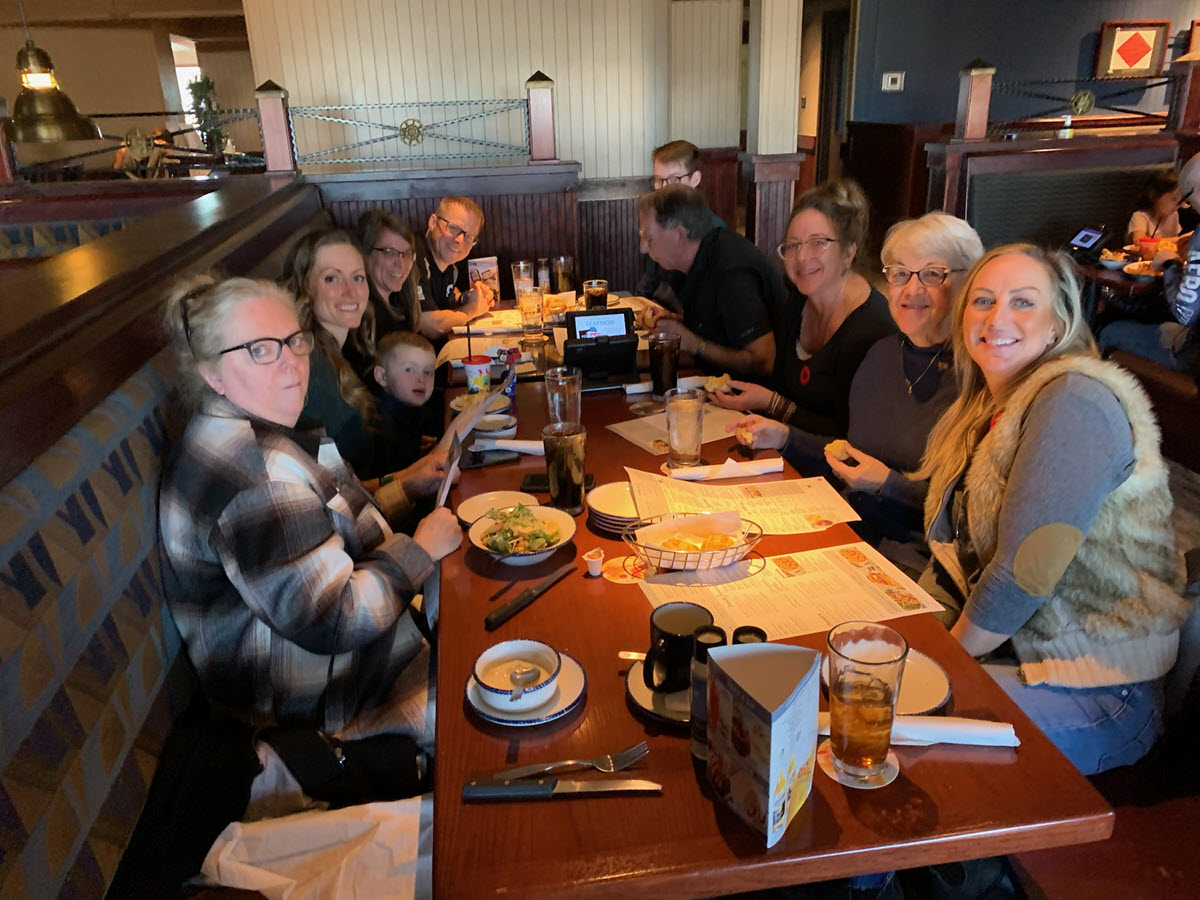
(518, 530)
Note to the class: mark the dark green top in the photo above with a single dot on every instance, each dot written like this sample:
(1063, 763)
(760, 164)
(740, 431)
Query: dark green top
(342, 421)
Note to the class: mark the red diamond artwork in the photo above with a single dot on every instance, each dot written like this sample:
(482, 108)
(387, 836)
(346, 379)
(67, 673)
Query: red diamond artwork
(1134, 49)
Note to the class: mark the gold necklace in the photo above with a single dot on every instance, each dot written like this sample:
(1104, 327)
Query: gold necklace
(912, 384)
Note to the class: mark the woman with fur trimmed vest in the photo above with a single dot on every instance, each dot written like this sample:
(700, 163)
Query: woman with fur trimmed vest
(1049, 514)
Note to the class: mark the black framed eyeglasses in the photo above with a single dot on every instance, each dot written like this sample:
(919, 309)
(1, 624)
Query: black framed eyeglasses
(267, 350)
(670, 179)
(393, 253)
(813, 247)
(930, 276)
(455, 232)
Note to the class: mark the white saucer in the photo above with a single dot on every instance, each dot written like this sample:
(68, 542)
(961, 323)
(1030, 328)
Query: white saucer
(924, 686)
(498, 405)
(670, 709)
(478, 505)
(568, 693)
(494, 426)
(891, 768)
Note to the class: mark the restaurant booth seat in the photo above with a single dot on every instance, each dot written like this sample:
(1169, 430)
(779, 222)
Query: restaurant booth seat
(1176, 399)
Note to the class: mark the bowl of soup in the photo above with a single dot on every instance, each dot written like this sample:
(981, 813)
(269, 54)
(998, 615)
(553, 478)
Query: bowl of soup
(495, 666)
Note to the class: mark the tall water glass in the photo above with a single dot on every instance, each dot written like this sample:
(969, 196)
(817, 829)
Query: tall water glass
(522, 274)
(866, 660)
(565, 444)
(685, 423)
(529, 302)
(563, 391)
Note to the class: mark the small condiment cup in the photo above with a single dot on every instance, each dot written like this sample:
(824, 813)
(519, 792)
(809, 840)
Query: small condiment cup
(595, 561)
(499, 695)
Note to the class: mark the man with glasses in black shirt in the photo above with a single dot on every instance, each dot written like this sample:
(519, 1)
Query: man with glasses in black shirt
(452, 231)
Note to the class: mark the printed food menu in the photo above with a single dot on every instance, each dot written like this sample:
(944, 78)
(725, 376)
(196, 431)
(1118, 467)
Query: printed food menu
(762, 731)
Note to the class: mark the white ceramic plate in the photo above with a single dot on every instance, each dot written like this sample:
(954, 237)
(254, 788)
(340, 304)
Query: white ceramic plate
(672, 709)
(924, 686)
(1142, 270)
(570, 689)
(474, 507)
(1114, 263)
(490, 426)
(498, 405)
(613, 501)
(564, 523)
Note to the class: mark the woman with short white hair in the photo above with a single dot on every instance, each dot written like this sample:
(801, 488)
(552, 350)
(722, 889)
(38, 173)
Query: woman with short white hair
(901, 388)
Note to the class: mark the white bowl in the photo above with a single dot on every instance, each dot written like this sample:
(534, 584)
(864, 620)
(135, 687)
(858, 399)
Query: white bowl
(556, 517)
(1114, 263)
(499, 695)
(480, 504)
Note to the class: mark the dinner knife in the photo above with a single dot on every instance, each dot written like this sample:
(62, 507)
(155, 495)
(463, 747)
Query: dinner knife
(500, 615)
(545, 788)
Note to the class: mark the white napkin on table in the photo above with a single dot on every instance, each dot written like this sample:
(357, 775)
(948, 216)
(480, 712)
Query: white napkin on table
(918, 731)
(533, 448)
(686, 383)
(729, 469)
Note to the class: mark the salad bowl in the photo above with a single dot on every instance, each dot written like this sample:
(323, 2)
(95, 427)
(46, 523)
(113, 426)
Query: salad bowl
(522, 535)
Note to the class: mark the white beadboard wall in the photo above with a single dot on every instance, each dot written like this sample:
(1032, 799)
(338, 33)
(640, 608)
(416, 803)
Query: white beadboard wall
(705, 90)
(608, 59)
(233, 74)
(779, 70)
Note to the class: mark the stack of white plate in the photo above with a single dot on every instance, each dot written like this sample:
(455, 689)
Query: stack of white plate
(611, 506)
(496, 426)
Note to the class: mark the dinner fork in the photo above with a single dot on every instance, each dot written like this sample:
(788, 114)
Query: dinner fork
(608, 762)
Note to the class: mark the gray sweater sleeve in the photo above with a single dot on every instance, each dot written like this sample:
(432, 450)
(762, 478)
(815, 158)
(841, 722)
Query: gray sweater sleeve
(1076, 447)
(900, 489)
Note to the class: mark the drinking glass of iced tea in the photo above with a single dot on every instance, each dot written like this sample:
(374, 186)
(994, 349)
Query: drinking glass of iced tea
(866, 661)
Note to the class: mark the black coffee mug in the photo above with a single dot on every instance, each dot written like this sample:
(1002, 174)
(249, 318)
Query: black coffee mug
(668, 665)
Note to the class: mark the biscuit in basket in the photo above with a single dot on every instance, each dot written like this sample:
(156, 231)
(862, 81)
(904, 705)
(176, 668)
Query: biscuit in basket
(679, 544)
(718, 542)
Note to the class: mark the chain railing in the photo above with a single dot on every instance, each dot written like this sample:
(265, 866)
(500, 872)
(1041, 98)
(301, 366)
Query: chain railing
(141, 145)
(410, 133)
(1089, 95)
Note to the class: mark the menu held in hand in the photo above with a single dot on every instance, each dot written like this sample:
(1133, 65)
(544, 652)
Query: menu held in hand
(762, 731)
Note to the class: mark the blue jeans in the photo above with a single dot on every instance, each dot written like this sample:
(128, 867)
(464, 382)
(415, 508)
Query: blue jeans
(1165, 344)
(1096, 728)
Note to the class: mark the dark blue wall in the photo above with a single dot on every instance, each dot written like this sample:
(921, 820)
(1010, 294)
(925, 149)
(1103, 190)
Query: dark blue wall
(930, 40)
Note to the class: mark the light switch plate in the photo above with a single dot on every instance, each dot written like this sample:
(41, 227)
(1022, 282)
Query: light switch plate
(893, 81)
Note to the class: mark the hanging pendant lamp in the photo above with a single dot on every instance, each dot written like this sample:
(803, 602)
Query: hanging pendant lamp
(42, 112)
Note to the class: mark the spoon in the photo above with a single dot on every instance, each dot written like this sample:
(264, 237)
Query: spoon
(522, 676)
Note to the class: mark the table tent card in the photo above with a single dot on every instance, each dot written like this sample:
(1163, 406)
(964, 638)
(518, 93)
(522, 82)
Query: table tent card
(762, 731)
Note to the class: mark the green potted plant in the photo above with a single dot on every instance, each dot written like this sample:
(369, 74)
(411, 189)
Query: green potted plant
(204, 108)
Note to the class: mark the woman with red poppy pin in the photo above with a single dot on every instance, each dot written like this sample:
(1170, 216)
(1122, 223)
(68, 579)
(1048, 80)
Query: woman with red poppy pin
(822, 339)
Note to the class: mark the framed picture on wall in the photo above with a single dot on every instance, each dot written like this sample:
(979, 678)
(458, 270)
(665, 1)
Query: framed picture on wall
(1132, 48)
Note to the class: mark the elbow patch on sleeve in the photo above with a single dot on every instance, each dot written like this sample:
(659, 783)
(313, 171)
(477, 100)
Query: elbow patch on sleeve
(1044, 555)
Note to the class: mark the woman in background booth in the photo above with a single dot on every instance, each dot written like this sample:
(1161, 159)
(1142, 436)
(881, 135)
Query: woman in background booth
(1049, 514)
(388, 246)
(291, 592)
(898, 393)
(1157, 214)
(822, 340)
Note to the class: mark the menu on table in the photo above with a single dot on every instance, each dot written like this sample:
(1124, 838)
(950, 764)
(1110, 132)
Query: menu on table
(498, 321)
(795, 506)
(650, 432)
(496, 347)
(797, 593)
(762, 731)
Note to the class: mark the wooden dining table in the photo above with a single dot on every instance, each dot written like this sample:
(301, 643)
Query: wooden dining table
(948, 803)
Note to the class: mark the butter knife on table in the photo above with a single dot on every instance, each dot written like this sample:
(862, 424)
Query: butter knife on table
(548, 787)
(500, 615)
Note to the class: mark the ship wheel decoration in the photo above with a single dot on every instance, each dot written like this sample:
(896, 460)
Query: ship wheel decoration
(412, 131)
(1082, 103)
